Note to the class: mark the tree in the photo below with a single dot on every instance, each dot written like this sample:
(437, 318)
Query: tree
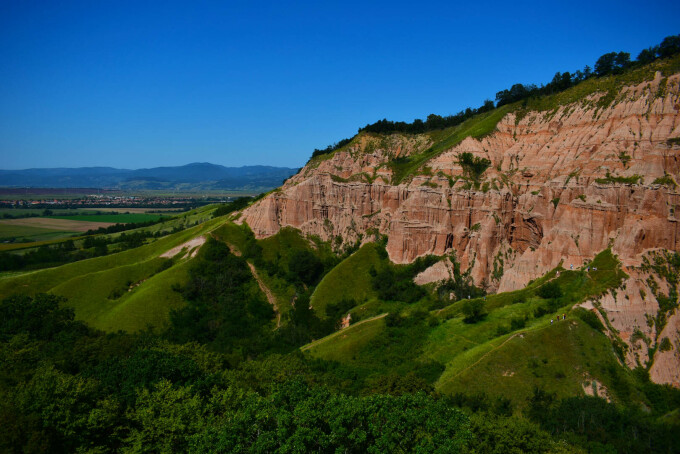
(612, 63)
(551, 290)
(669, 46)
(304, 266)
(648, 55)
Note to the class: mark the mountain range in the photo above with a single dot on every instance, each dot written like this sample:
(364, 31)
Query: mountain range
(194, 176)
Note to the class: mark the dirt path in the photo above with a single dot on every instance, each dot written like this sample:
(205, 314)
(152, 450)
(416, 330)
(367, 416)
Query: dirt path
(267, 292)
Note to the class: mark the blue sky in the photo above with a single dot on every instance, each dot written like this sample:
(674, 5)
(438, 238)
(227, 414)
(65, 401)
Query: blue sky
(143, 84)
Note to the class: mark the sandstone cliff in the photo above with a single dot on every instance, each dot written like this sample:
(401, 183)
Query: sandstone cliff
(562, 186)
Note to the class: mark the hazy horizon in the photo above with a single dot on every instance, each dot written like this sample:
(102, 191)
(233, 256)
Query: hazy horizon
(142, 168)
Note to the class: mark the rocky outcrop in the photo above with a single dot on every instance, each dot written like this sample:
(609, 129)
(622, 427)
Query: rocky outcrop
(562, 186)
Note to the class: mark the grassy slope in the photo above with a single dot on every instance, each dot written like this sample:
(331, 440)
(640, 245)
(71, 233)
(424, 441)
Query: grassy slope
(560, 357)
(89, 283)
(350, 279)
(343, 345)
(476, 127)
(193, 217)
(148, 304)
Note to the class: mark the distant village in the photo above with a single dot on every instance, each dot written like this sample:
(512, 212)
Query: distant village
(112, 201)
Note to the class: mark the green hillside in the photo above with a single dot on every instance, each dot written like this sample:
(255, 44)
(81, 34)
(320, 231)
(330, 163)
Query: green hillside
(349, 280)
(511, 349)
(113, 292)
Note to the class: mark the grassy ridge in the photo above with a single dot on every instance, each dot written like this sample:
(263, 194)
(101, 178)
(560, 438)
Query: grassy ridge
(561, 358)
(91, 284)
(350, 279)
(514, 347)
(147, 305)
(104, 288)
(445, 139)
(342, 345)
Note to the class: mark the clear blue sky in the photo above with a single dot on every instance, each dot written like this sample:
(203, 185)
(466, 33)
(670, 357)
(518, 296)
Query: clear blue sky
(142, 84)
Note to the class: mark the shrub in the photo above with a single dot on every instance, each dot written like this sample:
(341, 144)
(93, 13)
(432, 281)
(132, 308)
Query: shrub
(474, 311)
(665, 345)
(517, 323)
(590, 318)
(551, 290)
(473, 167)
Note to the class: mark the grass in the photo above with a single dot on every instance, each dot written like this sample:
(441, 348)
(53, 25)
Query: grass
(493, 355)
(610, 179)
(232, 234)
(666, 180)
(609, 86)
(342, 345)
(89, 283)
(559, 358)
(350, 279)
(445, 139)
(278, 246)
(147, 305)
(97, 301)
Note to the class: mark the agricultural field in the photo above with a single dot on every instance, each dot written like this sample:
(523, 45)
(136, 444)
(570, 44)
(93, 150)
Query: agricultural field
(23, 232)
(112, 218)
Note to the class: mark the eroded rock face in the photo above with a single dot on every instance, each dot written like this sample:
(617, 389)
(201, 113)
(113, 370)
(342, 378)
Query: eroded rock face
(538, 205)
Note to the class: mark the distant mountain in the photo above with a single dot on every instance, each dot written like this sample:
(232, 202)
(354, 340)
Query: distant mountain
(198, 175)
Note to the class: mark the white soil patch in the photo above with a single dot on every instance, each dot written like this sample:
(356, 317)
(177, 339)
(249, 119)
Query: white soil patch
(191, 244)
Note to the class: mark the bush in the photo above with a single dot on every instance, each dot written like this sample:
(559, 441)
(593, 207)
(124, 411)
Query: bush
(551, 290)
(590, 318)
(474, 311)
(304, 266)
(517, 323)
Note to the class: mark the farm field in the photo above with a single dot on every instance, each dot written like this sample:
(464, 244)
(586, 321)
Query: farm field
(12, 231)
(112, 218)
(128, 210)
(70, 225)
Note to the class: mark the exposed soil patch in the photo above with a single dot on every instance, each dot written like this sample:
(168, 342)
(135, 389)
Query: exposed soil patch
(192, 244)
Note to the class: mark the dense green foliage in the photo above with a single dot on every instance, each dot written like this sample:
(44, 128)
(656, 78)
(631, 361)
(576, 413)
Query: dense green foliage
(473, 167)
(78, 389)
(232, 206)
(330, 148)
(396, 283)
(67, 388)
(120, 227)
(433, 122)
(226, 309)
